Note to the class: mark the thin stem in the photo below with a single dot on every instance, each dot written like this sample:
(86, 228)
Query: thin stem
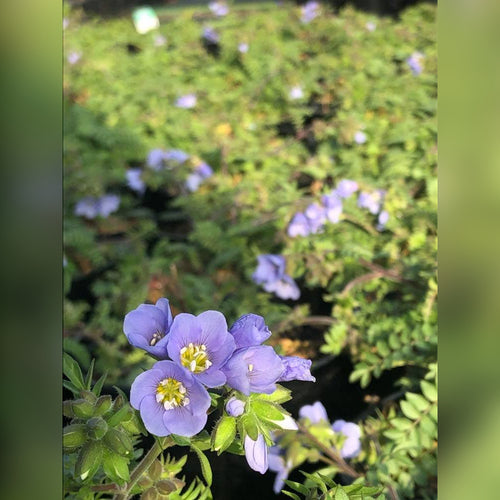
(334, 456)
(160, 445)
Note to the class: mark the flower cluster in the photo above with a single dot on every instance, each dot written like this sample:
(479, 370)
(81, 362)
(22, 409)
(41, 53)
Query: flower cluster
(187, 101)
(309, 11)
(316, 413)
(270, 273)
(201, 172)
(90, 207)
(219, 9)
(158, 158)
(196, 352)
(415, 63)
(373, 202)
(134, 180)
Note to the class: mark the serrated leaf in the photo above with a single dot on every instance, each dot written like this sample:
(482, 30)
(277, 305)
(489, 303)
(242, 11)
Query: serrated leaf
(205, 465)
(73, 372)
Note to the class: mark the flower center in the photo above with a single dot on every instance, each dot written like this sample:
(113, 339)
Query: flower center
(156, 337)
(195, 357)
(171, 394)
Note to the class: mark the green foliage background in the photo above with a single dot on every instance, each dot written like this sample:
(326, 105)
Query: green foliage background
(271, 156)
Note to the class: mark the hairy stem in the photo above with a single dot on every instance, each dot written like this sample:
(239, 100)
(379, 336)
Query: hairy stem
(160, 445)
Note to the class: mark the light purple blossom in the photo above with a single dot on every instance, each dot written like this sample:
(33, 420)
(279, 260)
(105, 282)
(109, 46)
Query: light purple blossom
(243, 47)
(371, 201)
(155, 159)
(269, 268)
(333, 206)
(159, 41)
(371, 26)
(296, 92)
(256, 453)
(285, 288)
(277, 464)
(253, 369)
(74, 57)
(90, 207)
(346, 188)
(147, 327)
(187, 101)
(316, 216)
(202, 345)
(296, 369)
(309, 11)
(134, 180)
(193, 182)
(299, 226)
(415, 62)
(204, 170)
(170, 400)
(383, 218)
(249, 330)
(235, 407)
(360, 137)
(210, 35)
(175, 155)
(315, 412)
(218, 8)
(352, 445)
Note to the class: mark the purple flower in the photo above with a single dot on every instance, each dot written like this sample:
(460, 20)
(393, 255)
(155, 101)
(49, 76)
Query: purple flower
(175, 155)
(134, 180)
(201, 344)
(296, 92)
(296, 369)
(243, 47)
(315, 412)
(249, 330)
(309, 11)
(360, 137)
(333, 206)
(277, 464)
(210, 35)
(91, 207)
(346, 188)
(159, 41)
(235, 407)
(299, 226)
(285, 288)
(204, 170)
(218, 8)
(193, 182)
(253, 369)
(74, 57)
(316, 216)
(187, 101)
(371, 201)
(383, 217)
(415, 63)
(170, 400)
(147, 327)
(256, 453)
(269, 268)
(352, 445)
(155, 159)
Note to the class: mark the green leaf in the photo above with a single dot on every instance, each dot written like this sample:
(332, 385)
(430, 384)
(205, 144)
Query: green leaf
(429, 390)
(90, 373)
(250, 426)
(297, 486)
(280, 395)
(417, 401)
(74, 435)
(98, 385)
(119, 442)
(205, 465)
(409, 410)
(266, 411)
(120, 415)
(73, 372)
(115, 467)
(224, 434)
(88, 460)
(181, 440)
(340, 494)
(290, 494)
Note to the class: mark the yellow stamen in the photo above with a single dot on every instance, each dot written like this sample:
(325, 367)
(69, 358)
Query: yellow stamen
(195, 357)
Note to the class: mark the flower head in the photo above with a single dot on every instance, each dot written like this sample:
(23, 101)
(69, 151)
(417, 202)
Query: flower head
(218, 8)
(299, 226)
(134, 180)
(108, 204)
(415, 62)
(371, 201)
(296, 92)
(91, 207)
(360, 137)
(193, 182)
(176, 155)
(383, 218)
(309, 11)
(296, 369)
(269, 268)
(285, 288)
(315, 412)
(316, 216)
(256, 453)
(210, 35)
(74, 57)
(243, 48)
(204, 170)
(346, 188)
(352, 432)
(170, 400)
(333, 206)
(249, 330)
(235, 407)
(147, 327)
(187, 101)
(201, 344)
(155, 159)
(254, 369)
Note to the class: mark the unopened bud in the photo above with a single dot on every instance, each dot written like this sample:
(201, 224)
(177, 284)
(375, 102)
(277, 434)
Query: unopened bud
(88, 460)
(83, 408)
(102, 405)
(74, 435)
(96, 428)
(165, 486)
(118, 441)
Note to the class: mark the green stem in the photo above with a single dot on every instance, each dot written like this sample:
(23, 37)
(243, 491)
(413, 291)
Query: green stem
(160, 445)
